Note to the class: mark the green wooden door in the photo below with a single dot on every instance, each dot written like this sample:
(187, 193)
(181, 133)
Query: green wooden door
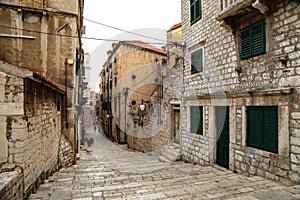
(222, 128)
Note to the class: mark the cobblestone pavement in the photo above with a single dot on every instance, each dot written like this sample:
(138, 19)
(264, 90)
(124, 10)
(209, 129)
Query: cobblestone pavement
(110, 172)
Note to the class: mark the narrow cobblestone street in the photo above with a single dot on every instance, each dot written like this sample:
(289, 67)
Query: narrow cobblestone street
(111, 172)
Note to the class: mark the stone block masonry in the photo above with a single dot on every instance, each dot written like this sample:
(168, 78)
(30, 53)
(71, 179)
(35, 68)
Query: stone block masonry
(269, 79)
(31, 135)
(11, 185)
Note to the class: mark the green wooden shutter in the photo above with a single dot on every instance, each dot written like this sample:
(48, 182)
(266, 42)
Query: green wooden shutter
(195, 10)
(200, 122)
(270, 129)
(198, 9)
(253, 40)
(254, 127)
(262, 128)
(245, 43)
(258, 38)
(192, 10)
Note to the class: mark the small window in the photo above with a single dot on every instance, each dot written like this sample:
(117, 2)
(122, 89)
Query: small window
(91, 103)
(253, 40)
(197, 61)
(133, 77)
(262, 128)
(195, 10)
(116, 80)
(196, 119)
(115, 104)
(164, 62)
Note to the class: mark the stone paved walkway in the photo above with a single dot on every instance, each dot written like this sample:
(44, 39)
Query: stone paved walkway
(110, 172)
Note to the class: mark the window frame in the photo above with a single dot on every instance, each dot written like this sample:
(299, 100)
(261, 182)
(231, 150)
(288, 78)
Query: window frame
(193, 11)
(249, 37)
(258, 139)
(195, 70)
(200, 123)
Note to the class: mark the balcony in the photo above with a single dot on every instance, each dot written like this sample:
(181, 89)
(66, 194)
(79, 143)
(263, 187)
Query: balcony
(234, 8)
(33, 3)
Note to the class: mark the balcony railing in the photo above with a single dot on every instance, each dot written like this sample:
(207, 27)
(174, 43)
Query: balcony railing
(233, 7)
(227, 3)
(33, 3)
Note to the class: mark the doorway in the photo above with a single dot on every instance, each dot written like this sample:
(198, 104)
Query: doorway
(175, 135)
(222, 128)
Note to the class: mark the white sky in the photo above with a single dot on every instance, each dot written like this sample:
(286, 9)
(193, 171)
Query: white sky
(131, 15)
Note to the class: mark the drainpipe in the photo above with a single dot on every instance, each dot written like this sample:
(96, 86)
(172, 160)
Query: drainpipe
(125, 94)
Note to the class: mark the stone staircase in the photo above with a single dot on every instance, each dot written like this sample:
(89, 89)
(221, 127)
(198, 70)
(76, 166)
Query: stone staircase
(171, 153)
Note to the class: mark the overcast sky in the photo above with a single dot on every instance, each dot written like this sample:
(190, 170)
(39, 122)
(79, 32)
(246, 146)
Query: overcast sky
(131, 15)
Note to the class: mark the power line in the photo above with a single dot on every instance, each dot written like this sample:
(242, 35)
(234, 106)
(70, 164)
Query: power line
(109, 26)
(71, 36)
(112, 27)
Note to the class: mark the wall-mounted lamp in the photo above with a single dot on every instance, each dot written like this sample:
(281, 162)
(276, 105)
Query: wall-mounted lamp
(107, 116)
(69, 61)
(142, 107)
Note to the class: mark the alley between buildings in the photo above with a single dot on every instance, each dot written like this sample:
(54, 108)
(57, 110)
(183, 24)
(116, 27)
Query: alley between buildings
(110, 171)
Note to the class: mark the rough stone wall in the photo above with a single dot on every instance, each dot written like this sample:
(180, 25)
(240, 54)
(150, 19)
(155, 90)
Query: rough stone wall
(224, 74)
(46, 53)
(66, 155)
(38, 151)
(156, 133)
(11, 185)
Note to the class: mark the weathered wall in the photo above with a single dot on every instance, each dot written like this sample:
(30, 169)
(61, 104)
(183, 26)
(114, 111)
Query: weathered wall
(46, 53)
(231, 78)
(11, 185)
(31, 128)
(38, 151)
(127, 61)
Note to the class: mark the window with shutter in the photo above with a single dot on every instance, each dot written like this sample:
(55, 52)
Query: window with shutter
(253, 40)
(197, 61)
(196, 119)
(262, 128)
(195, 10)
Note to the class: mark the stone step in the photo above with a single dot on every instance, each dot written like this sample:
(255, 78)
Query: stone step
(163, 159)
(171, 153)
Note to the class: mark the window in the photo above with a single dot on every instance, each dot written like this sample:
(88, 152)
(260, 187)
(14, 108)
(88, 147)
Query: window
(116, 80)
(262, 128)
(253, 40)
(91, 103)
(197, 61)
(197, 119)
(115, 104)
(195, 10)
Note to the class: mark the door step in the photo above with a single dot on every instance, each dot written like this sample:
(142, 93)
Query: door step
(171, 153)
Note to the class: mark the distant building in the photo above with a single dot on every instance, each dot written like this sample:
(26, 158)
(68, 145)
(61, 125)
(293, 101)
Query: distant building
(130, 74)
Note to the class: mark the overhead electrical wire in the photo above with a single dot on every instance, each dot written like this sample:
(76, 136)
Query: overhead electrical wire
(72, 36)
(109, 26)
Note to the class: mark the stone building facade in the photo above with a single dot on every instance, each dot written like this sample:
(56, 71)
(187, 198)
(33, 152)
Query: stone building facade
(31, 125)
(130, 74)
(241, 86)
(164, 116)
(31, 37)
